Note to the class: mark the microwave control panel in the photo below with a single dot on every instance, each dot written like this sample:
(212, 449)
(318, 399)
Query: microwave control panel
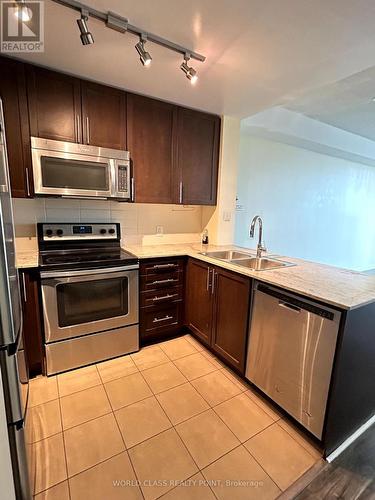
(123, 178)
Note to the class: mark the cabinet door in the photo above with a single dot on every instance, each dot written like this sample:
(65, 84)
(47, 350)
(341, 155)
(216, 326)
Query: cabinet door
(13, 95)
(103, 116)
(232, 297)
(54, 105)
(151, 145)
(197, 157)
(198, 299)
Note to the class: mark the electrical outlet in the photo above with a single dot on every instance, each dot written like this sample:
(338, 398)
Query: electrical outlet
(159, 230)
(227, 216)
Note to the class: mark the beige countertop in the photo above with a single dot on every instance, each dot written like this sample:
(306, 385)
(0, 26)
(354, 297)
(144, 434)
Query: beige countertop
(343, 288)
(27, 259)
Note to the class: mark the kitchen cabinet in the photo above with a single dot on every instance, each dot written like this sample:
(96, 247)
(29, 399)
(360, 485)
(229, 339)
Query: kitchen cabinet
(198, 138)
(151, 142)
(54, 105)
(32, 324)
(199, 300)
(161, 313)
(13, 95)
(103, 116)
(217, 310)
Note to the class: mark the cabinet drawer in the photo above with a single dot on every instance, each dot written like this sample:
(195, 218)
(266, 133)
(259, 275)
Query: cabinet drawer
(155, 319)
(167, 280)
(159, 297)
(159, 268)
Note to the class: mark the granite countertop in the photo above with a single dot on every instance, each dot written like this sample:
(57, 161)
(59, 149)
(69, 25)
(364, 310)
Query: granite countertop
(339, 287)
(27, 259)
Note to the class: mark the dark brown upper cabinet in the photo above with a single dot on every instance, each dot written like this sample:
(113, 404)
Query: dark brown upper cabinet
(197, 157)
(151, 142)
(54, 105)
(103, 116)
(13, 95)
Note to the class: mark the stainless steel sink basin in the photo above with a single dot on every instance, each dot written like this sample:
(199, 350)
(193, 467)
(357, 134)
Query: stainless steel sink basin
(262, 264)
(228, 255)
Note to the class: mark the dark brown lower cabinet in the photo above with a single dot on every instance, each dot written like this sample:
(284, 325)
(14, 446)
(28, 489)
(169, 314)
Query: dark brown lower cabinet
(217, 310)
(32, 321)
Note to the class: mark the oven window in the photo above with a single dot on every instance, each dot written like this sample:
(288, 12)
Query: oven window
(74, 174)
(88, 301)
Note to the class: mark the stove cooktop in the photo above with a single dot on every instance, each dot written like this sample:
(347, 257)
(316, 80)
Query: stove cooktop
(69, 259)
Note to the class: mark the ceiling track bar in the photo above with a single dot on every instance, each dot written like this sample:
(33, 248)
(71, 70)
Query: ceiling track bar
(121, 24)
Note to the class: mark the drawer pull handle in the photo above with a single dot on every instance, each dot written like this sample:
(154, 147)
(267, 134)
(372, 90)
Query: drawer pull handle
(158, 282)
(163, 266)
(166, 318)
(168, 296)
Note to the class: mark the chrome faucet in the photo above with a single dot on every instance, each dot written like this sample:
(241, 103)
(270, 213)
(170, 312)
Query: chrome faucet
(260, 247)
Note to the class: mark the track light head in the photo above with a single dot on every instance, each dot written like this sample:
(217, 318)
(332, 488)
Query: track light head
(144, 56)
(86, 36)
(190, 72)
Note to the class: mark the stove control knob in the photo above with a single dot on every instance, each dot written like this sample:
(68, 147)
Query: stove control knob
(103, 231)
(111, 231)
(59, 232)
(49, 232)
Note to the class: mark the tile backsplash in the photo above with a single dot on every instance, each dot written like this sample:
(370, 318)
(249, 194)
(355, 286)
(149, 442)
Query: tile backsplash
(137, 220)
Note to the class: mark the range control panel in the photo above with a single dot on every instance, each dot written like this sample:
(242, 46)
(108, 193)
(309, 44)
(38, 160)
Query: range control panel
(78, 231)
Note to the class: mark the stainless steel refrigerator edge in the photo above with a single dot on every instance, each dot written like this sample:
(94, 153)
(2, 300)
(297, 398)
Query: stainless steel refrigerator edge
(14, 377)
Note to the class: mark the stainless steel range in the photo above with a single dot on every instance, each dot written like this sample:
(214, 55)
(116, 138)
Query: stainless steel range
(89, 294)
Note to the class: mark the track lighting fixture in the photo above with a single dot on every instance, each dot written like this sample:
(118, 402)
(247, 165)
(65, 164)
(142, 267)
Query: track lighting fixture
(143, 54)
(190, 72)
(86, 36)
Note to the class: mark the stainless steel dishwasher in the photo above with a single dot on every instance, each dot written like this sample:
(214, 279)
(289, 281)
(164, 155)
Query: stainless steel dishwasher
(290, 353)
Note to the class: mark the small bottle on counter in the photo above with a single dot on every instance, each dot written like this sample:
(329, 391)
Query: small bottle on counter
(205, 237)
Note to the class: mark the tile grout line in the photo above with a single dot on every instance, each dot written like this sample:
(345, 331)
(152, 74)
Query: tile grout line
(63, 437)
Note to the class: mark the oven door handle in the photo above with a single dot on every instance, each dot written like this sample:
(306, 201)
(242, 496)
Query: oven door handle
(86, 272)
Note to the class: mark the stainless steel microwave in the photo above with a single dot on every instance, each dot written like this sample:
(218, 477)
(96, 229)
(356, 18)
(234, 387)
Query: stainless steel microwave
(78, 170)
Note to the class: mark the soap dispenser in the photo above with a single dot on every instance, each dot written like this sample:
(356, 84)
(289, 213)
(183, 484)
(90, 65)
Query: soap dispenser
(205, 237)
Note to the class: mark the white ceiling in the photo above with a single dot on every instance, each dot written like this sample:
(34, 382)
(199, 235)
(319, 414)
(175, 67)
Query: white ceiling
(259, 52)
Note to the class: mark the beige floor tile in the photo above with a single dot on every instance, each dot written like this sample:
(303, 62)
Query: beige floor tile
(213, 359)
(49, 467)
(236, 379)
(194, 342)
(116, 368)
(248, 479)
(127, 390)
(163, 377)
(42, 390)
(97, 483)
(91, 443)
(177, 348)
(216, 387)
(182, 402)
(194, 366)
(264, 404)
(280, 455)
(243, 416)
(58, 492)
(148, 357)
(141, 421)
(161, 458)
(85, 405)
(303, 440)
(78, 380)
(44, 420)
(194, 488)
(206, 437)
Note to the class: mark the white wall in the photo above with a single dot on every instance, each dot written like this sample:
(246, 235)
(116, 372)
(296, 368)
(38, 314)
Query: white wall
(314, 206)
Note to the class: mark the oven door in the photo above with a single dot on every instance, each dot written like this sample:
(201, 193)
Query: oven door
(78, 303)
(70, 174)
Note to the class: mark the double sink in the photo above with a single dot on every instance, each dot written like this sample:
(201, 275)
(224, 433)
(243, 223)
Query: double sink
(247, 260)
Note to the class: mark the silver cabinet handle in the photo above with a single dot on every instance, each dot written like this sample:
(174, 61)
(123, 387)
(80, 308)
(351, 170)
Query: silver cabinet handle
(168, 296)
(163, 266)
(27, 182)
(88, 129)
(213, 282)
(78, 130)
(132, 195)
(181, 194)
(208, 278)
(166, 318)
(157, 282)
(24, 287)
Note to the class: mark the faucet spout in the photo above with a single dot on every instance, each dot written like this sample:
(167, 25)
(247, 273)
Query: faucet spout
(260, 247)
